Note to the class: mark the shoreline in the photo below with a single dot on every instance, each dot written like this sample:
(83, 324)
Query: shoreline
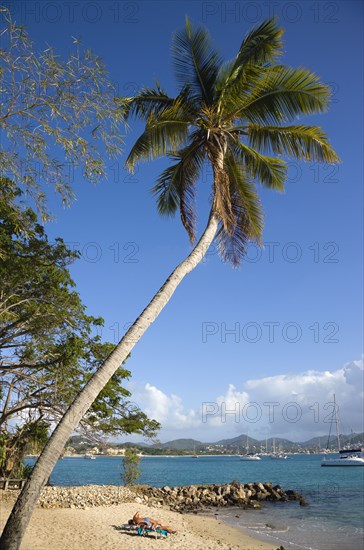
(121, 455)
(99, 527)
(332, 522)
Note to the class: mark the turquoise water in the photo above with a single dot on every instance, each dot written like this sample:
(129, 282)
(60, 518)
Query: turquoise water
(333, 520)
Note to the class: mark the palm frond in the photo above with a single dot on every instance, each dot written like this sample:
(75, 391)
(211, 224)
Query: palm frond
(175, 187)
(165, 131)
(270, 171)
(261, 45)
(196, 63)
(223, 77)
(247, 212)
(167, 190)
(223, 201)
(147, 101)
(281, 95)
(140, 151)
(229, 92)
(301, 142)
(188, 209)
(221, 186)
(179, 111)
(157, 141)
(246, 188)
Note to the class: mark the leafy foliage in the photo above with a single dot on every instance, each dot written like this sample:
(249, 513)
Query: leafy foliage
(230, 115)
(48, 346)
(131, 461)
(30, 438)
(69, 104)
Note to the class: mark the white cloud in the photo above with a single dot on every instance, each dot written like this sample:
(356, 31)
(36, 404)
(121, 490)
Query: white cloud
(295, 406)
(311, 394)
(167, 409)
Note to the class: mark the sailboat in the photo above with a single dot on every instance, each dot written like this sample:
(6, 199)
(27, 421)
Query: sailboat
(347, 457)
(249, 456)
(279, 455)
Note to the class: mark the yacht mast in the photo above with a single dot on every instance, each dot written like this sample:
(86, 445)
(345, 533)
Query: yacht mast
(337, 424)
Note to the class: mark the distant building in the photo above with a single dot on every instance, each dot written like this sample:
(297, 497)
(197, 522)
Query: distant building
(94, 451)
(112, 451)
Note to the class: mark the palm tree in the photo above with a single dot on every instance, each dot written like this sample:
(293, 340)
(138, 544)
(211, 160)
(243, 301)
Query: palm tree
(231, 115)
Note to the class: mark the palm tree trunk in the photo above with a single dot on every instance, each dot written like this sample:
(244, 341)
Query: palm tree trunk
(23, 509)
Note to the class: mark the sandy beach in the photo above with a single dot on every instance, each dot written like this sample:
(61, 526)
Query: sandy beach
(99, 528)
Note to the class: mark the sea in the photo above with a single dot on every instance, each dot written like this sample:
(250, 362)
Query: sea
(333, 519)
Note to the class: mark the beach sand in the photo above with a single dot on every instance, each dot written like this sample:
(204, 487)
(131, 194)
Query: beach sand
(98, 529)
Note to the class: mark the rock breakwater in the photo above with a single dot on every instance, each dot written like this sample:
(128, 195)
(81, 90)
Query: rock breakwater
(84, 496)
(181, 499)
(194, 497)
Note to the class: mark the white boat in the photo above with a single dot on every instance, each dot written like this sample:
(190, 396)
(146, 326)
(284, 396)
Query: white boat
(278, 456)
(347, 457)
(250, 457)
(90, 457)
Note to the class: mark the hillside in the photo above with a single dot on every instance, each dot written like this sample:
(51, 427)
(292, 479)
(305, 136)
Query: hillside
(235, 445)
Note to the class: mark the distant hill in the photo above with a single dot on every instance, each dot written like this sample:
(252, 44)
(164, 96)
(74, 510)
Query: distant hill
(181, 445)
(130, 444)
(352, 440)
(239, 442)
(279, 443)
(233, 445)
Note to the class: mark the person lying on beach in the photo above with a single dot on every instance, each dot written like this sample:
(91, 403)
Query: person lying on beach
(149, 523)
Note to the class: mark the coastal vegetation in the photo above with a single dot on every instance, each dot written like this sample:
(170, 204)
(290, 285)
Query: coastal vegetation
(131, 462)
(239, 117)
(48, 344)
(57, 115)
(78, 445)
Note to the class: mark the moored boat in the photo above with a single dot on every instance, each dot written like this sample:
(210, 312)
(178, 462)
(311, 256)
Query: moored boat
(347, 457)
(250, 457)
(278, 456)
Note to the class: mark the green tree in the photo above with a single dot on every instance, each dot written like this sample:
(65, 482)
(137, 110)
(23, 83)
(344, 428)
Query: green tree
(55, 115)
(26, 439)
(226, 114)
(131, 462)
(47, 348)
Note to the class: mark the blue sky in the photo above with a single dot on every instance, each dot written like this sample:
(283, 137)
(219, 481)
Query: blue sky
(296, 306)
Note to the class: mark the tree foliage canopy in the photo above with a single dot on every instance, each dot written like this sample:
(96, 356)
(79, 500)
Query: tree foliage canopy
(55, 115)
(131, 462)
(29, 438)
(233, 115)
(48, 346)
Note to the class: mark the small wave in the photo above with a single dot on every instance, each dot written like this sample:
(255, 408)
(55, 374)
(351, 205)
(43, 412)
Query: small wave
(280, 529)
(292, 544)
